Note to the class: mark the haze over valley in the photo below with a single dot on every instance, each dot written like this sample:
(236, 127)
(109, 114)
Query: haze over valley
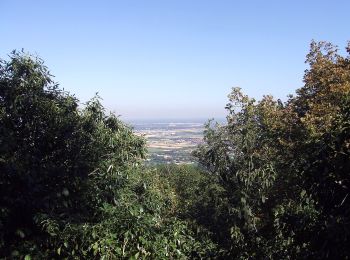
(170, 142)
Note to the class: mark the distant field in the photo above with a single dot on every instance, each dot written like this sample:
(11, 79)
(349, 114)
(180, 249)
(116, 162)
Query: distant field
(170, 142)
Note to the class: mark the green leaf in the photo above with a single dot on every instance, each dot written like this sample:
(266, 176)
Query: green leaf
(20, 233)
(95, 246)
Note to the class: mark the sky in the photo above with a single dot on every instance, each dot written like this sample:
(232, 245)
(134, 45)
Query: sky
(172, 58)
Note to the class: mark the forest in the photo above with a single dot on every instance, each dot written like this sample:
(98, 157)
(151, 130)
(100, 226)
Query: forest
(271, 183)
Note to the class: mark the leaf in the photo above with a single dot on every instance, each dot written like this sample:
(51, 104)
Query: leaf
(20, 233)
(95, 246)
(109, 168)
(65, 192)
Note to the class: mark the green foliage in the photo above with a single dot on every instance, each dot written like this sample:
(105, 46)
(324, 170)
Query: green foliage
(71, 184)
(201, 200)
(273, 182)
(284, 166)
(138, 223)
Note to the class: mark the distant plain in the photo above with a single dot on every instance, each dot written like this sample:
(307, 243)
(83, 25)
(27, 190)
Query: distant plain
(170, 141)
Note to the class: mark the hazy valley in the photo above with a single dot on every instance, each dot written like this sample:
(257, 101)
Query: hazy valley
(169, 141)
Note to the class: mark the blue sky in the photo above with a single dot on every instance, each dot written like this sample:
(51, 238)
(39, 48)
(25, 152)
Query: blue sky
(172, 59)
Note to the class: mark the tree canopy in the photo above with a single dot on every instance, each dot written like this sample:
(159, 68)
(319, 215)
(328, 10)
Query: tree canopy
(271, 183)
(285, 166)
(70, 181)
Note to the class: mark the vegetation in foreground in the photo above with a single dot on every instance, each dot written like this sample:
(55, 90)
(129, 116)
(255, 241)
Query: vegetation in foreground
(272, 183)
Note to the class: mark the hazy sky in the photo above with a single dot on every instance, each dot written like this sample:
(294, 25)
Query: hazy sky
(172, 58)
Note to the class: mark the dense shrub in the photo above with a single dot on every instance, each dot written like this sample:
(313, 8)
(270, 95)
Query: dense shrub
(201, 200)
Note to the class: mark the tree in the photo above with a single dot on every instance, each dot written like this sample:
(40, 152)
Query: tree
(71, 181)
(285, 165)
(48, 148)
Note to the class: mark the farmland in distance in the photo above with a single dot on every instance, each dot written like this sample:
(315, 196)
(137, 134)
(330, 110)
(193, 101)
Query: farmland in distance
(169, 141)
